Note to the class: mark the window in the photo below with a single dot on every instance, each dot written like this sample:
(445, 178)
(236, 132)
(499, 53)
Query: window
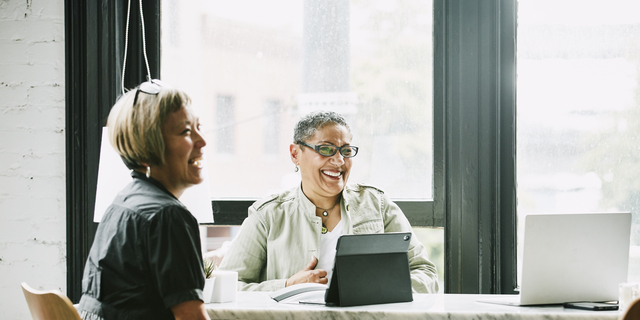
(578, 102)
(279, 60)
(472, 184)
(371, 63)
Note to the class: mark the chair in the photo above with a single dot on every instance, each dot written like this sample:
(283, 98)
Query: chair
(633, 311)
(49, 305)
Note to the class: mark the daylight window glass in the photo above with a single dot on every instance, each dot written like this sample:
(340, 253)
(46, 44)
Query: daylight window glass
(254, 67)
(579, 110)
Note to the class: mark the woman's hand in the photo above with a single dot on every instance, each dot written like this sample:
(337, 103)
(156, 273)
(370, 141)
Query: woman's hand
(308, 275)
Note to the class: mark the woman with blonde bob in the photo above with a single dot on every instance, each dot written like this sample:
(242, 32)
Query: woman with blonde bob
(146, 260)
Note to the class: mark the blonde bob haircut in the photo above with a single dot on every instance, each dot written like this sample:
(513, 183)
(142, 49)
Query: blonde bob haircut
(135, 132)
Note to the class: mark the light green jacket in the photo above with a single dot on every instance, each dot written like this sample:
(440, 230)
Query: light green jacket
(282, 233)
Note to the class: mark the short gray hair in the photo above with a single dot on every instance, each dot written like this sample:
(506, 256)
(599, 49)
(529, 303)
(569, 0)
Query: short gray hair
(310, 123)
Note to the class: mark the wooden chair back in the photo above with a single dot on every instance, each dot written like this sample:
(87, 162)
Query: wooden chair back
(633, 311)
(49, 305)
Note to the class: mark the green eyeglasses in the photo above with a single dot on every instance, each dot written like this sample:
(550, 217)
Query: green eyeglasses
(328, 150)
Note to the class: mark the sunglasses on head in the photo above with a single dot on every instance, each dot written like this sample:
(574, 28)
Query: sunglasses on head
(152, 87)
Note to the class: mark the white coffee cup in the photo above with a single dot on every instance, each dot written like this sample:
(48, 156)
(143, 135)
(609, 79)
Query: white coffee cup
(628, 292)
(221, 287)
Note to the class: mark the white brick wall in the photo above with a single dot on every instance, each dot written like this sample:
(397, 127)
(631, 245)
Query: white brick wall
(32, 151)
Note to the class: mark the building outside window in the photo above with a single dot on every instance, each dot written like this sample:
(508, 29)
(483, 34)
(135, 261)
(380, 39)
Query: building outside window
(579, 110)
(224, 125)
(271, 127)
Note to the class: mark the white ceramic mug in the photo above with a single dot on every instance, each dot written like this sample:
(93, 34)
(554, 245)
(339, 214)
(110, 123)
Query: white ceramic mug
(221, 287)
(628, 292)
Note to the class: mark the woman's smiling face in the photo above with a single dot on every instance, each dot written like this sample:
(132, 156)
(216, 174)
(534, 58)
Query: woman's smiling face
(323, 176)
(183, 152)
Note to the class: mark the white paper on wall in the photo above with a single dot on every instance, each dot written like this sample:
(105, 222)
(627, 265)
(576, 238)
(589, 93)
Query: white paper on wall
(113, 176)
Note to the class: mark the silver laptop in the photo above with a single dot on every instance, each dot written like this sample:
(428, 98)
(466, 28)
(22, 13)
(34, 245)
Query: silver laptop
(572, 257)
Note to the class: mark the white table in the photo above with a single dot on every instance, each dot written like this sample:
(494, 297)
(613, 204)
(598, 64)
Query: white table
(258, 305)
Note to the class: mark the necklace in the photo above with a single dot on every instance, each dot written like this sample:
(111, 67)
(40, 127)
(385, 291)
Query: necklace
(325, 213)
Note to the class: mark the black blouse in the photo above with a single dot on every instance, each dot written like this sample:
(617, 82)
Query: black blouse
(146, 256)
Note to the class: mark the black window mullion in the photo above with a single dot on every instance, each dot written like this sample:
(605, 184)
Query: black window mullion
(94, 46)
(420, 213)
(474, 103)
(507, 224)
(233, 212)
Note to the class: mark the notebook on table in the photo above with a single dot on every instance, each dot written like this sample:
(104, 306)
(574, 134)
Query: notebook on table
(572, 257)
(368, 269)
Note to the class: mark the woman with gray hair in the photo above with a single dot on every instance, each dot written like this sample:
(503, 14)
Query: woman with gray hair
(290, 238)
(146, 261)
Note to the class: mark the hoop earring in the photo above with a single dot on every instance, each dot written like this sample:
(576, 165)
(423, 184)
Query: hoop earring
(296, 169)
(148, 171)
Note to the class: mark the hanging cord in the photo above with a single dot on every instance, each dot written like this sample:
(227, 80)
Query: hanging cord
(144, 43)
(126, 44)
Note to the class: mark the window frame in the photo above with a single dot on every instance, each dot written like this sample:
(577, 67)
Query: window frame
(94, 38)
(474, 193)
(475, 145)
(233, 212)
